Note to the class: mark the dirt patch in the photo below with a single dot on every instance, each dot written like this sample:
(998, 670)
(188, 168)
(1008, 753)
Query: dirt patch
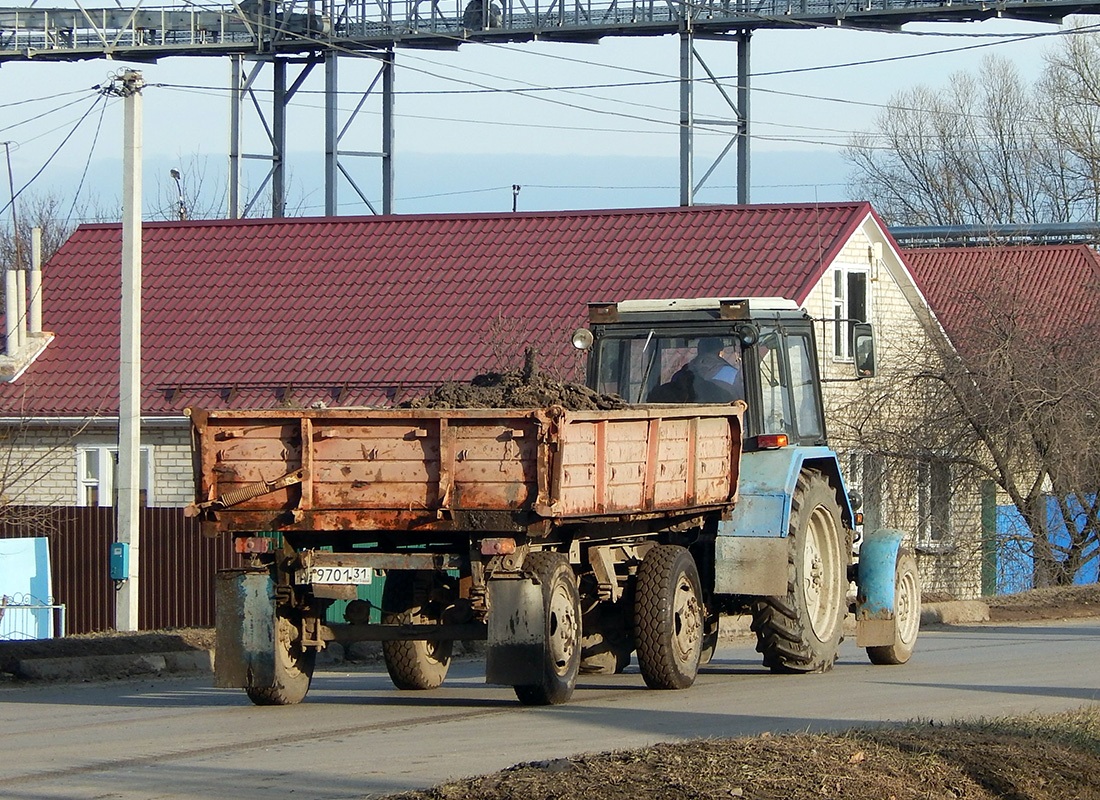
(1056, 602)
(526, 387)
(966, 762)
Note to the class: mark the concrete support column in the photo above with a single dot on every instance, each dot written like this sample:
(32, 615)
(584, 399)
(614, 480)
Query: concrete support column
(128, 483)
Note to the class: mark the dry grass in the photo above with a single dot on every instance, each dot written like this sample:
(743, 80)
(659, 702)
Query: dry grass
(1033, 758)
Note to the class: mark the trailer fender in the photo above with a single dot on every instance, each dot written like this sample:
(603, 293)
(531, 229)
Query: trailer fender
(244, 609)
(517, 628)
(875, 583)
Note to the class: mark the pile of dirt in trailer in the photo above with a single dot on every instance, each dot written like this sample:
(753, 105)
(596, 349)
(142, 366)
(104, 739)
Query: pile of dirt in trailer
(1048, 759)
(523, 388)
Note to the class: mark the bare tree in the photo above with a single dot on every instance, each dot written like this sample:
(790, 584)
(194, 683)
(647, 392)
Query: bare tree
(1017, 403)
(195, 192)
(46, 212)
(988, 148)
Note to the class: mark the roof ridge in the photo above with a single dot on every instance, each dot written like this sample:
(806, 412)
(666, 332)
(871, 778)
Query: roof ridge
(452, 215)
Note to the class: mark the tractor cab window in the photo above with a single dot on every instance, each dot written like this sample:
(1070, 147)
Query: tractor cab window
(671, 369)
(789, 401)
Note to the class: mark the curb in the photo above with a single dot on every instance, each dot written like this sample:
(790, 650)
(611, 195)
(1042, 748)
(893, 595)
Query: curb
(954, 612)
(180, 662)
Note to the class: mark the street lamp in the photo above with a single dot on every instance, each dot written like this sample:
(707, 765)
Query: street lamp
(181, 206)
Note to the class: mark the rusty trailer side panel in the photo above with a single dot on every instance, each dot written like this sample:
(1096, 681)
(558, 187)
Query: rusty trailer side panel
(400, 469)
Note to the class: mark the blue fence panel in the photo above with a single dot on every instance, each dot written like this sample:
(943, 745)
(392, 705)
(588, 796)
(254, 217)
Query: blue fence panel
(1015, 560)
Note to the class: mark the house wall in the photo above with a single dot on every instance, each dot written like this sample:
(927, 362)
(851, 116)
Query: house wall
(950, 566)
(40, 464)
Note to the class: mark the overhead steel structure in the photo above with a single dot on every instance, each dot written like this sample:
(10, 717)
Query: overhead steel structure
(306, 33)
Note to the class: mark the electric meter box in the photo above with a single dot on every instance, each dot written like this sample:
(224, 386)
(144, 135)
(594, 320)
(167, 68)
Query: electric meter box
(120, 561)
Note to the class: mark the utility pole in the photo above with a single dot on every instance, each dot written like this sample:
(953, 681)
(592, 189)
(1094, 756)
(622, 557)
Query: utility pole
(14, 219)
(128, 506)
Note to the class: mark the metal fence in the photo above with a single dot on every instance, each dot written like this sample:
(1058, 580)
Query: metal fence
(25, 617)
(177, 566)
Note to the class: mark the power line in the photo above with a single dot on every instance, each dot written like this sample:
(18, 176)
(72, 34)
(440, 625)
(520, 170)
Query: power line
(53, 155)
(87, 162)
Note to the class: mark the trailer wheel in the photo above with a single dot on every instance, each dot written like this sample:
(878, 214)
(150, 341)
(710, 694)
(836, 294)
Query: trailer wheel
(906, 614)
(801, 631)
(413, 664)
(606, 641)
(293, 668)
(710, 638)
(562, 642)
(669, 618)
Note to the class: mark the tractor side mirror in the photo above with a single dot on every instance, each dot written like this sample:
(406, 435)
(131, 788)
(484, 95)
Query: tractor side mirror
(863, 345)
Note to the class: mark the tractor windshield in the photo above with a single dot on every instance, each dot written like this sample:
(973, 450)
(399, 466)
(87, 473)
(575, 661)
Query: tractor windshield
(672, 369)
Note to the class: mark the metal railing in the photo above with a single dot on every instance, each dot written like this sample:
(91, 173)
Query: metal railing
(263, 26)
(26, 617)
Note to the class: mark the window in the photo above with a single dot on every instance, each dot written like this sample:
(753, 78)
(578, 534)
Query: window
(934, 489)
(97, 472)
(804, 388)
(672, 369)
(789, 399)
(851, 304)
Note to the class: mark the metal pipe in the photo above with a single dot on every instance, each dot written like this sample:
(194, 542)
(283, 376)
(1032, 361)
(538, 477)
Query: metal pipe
(743, 140)
(34, 317)
(11, 312)
(687, 119)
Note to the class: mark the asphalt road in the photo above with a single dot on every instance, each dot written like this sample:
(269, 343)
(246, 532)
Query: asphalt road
(356, 736)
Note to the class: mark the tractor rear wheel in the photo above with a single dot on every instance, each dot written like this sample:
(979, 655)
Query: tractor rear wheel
(801, 631)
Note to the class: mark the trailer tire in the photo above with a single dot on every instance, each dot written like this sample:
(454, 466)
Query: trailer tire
(561, 657)
(669, 618)
(293, 668)
(710, 638)
(607, 637)
(420, 664)
(802, 631)
(906, 614)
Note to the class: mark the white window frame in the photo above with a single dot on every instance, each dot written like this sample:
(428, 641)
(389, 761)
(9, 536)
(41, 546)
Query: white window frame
(842, 309)
(106, 457)
(935, 504)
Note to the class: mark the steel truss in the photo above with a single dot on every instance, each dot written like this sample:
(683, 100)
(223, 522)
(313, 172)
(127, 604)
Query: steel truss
(305, 33)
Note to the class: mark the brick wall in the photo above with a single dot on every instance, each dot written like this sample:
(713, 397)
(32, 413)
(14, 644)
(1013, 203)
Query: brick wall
(43, 463)
(952, 567)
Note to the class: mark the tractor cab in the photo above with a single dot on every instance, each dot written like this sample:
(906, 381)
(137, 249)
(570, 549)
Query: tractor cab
(760, 350)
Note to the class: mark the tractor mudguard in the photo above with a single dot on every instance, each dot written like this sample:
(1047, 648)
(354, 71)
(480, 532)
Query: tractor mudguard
(766, 485)
(876, 585)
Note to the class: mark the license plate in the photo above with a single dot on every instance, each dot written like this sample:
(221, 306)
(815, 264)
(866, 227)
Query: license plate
(341, 575)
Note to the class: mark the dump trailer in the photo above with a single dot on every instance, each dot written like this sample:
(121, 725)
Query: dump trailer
(567, 540)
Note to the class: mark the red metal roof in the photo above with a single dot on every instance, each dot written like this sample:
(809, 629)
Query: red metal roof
(234, 310)
(1044, 287)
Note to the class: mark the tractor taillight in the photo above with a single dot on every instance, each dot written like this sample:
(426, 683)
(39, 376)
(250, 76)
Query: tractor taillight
(771, 441)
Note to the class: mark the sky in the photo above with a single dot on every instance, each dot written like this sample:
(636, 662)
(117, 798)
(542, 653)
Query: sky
(605, 136)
